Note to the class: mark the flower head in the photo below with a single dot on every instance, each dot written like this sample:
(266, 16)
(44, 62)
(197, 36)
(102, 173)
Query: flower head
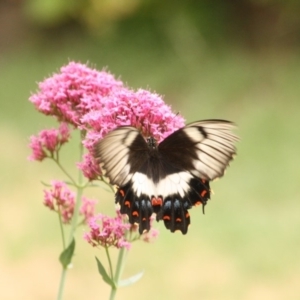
(48, 141)
(141, 109)
(106, 231)
(60, 199)
(89, 167)
(87, 209)
(96, 102)
(38, 152)
(76, 90)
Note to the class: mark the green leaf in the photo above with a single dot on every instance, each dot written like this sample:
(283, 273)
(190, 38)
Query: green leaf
(130, 280)
(66, 256)
(104, 274)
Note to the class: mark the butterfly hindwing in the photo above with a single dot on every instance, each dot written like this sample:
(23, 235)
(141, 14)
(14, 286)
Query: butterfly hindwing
(175, 214)
(199, 192)
(174, 211)
(138, 209)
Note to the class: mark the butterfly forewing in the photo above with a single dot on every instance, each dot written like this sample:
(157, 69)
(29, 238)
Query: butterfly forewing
(205, 150)
(121, 153)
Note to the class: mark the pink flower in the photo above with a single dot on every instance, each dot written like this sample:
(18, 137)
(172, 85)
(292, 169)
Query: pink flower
(141, 109)
(48, 141)
(89, 167)
(60, 199)
(147, 237)
(106, 231)
(87, 208)
(64, 133)
(76, 90)
(150, 236)
(97, 103)
(38, 152)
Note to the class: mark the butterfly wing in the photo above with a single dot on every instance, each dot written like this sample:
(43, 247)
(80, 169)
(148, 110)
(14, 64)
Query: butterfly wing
(168, 180)
(199, 152)
(202, 148)
(121, 154)
(174, 210)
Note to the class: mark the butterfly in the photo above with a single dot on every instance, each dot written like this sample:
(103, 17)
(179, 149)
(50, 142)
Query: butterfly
(166, 178)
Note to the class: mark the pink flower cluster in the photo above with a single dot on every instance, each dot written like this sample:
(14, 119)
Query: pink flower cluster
(73, 92)
(48, 141)
(87, 209)
(89, 167)
(97, 103)
(106, 231)
(62, 200)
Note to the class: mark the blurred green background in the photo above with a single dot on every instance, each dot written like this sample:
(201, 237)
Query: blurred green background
(235, 59)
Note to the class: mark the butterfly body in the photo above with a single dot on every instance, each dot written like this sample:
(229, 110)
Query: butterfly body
(166, 178)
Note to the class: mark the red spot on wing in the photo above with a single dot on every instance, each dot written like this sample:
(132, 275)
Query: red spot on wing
(178, 220)
(166, 218)
(135, 213)
(127, 203)
(122, 193)
(156, 201)
(203, 193)
(198, 203)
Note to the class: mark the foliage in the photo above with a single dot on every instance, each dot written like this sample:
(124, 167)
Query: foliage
(253, 22)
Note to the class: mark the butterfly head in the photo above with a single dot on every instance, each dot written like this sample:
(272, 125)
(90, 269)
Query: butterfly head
(152, 143)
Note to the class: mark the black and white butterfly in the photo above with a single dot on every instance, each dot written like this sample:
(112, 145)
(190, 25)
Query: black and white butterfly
(166, 178)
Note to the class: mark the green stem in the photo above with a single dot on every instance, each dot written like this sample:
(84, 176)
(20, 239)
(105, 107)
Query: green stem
(109, 185)
(120, 264)
(62, 283)
(76, 211)
(62, 230)
(110, 264)
(64, 171)
(80, 188)
(119, 271)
